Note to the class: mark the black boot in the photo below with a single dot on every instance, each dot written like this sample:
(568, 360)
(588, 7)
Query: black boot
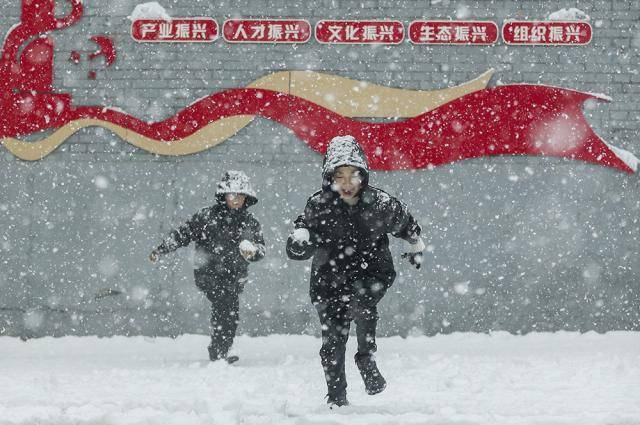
(337, 400)
(374, 382)
(232, 359)
(215, 355)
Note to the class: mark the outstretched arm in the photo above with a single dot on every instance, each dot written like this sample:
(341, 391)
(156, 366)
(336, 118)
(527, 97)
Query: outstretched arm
(182, 236)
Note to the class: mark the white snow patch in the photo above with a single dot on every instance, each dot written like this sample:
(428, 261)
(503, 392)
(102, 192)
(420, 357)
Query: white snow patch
(301, 235)
(150, 10)
(115, 109)
(246, 245)
(237, 182)
(343, 150)
(590, 104)
(544, 378)
(627, 157)
(601, 96)
(571, 14)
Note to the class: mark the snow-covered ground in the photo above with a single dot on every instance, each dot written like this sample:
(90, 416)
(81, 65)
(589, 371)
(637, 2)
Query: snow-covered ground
(562, 378)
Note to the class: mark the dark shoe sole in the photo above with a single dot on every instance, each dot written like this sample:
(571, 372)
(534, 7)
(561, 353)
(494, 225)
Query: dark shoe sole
(232, 359)
(336, 402)
(377, 390)
(335, 405)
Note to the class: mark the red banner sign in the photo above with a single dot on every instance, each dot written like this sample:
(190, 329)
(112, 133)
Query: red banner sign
(517, 119)
(453, 32)
(546, 32)
(185, 30)
(359, 32)
(266, 30)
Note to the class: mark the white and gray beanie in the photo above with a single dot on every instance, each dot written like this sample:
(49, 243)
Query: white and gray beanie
(236, 182)
(344, 150)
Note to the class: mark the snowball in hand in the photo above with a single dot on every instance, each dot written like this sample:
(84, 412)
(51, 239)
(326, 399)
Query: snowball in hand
(246, 245)
(301, 235)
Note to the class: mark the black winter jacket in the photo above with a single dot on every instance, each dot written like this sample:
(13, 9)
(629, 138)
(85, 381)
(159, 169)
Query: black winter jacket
(351, 241)
(217, 232)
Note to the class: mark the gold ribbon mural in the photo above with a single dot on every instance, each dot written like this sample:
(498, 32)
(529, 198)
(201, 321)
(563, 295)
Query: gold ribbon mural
(344, 96)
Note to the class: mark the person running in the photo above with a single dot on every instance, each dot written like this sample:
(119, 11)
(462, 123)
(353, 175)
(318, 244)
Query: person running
(227, 238)
(344, 228)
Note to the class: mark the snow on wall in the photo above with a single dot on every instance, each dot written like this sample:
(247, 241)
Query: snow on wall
(568, 14)
(150, 10)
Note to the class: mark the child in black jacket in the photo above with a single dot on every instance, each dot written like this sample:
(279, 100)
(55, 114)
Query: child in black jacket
(227, 238)
(344, 227)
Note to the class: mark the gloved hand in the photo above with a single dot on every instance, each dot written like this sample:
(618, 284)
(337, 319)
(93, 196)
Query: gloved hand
(415, 258)
(153, 257)
(247, 249)
(300, 239)
(414, 252)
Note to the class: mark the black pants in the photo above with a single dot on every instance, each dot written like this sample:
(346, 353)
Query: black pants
(224, 295)
(356, 301)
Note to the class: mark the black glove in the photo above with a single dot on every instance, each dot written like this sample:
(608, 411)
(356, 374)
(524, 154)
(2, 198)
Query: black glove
(298, 247)
(415, 258)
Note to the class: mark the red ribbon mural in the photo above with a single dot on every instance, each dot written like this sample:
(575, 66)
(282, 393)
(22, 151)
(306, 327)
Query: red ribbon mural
(520, 119)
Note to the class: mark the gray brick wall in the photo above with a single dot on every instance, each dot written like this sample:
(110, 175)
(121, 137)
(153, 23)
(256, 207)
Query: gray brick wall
(539, 243)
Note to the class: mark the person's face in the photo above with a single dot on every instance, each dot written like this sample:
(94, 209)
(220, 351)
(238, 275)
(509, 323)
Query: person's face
(235, 200)
(347, 181)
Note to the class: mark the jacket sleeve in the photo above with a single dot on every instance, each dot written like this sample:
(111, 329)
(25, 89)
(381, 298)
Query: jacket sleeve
(257, 239)
(182, 236)
(401, 223)
(299, 250)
